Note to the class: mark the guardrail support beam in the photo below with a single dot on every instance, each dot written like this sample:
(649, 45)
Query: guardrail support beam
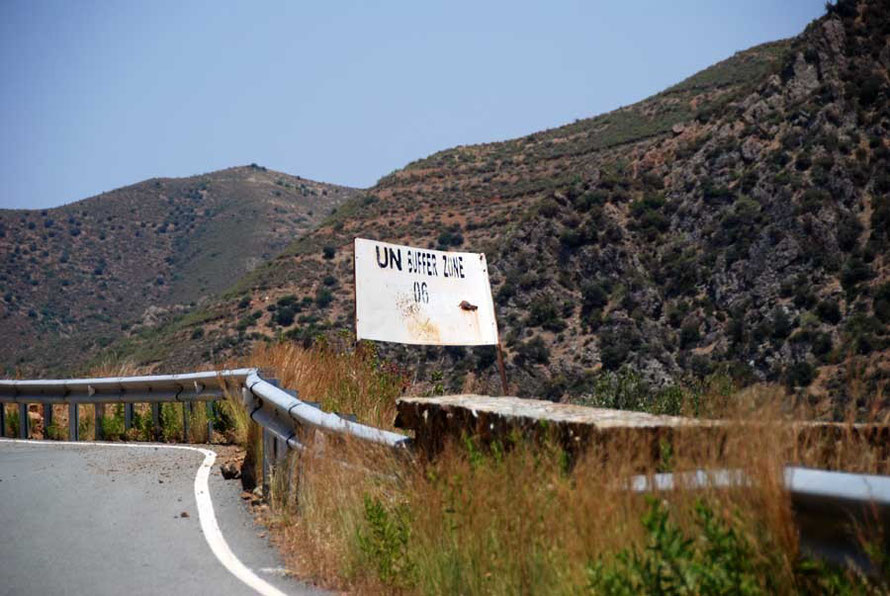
(2, 420)
(128, 416)
(186, 410)
(23, 421)
(47, 419)
(73, 423)
(268, 460)
(156, 420)
(209, 409)
(98, 415)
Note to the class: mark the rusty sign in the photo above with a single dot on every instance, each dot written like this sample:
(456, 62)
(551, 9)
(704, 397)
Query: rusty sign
(421, 296)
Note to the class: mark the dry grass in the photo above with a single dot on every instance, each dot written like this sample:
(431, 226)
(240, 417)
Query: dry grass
(349, 382)
(112, 367)
(525, 520)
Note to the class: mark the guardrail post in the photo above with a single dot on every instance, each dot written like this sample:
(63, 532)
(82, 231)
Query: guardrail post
(185, 421)
(2, 420)
(98, 414)
(47, 419)
(23, 421)
(268, 459)
(209, 408)
(73, 422)
(156, 420)
(128, 416)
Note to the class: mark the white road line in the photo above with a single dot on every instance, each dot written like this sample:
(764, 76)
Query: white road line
(209, 525)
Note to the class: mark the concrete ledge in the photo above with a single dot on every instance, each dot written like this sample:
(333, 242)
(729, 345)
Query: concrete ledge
(437, 420)
(535, 410)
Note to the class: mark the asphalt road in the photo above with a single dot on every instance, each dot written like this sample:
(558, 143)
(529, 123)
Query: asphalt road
(94, 519)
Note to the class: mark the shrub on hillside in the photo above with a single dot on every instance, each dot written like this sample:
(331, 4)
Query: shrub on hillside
(323, 297)
(543, 312)
(534, 351)
(689, 335)
(284, 316)
(829, 311)
(882, 303)
(800, 374)
(450, 237)
(855, 270)
(616, 345)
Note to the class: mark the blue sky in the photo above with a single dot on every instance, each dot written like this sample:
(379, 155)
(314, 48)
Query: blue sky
(97, 95)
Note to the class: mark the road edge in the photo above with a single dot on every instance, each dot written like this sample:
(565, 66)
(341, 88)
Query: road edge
(206, 515)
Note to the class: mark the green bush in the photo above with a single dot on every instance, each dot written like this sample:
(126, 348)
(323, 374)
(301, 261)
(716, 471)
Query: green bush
(882, 303)
(12, 419)
(648, 214)
(594, 295)
(689, 335)
(829, 311)
(715, 194)
(589, 200)
(848, 231)
(323, 297)
(328, 252)
(814, 199)
(383, 541)
(548, 208)
(505, 292)
(821, 344)
(288, 300)
(855, 270)
(572, 238)
(534, 351)
(285, 316)
(800, 374)
(616, 345)
(450, 237)
(543, 312)
(485, 357)
(171, 422)
(781, 324)
(717, 559)
(113, 423)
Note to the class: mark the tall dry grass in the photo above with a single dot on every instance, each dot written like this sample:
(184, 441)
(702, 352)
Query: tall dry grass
(527, 519)
(350, 382)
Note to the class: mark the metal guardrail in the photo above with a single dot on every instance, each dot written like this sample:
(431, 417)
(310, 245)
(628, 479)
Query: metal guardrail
(279, 412)
(818, 488)
(186, 388)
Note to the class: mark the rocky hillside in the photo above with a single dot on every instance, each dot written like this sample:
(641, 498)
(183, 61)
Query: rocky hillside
(72, 279)
(737, 221)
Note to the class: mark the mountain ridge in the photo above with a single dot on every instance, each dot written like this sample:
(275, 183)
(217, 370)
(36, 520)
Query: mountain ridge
(92, 268)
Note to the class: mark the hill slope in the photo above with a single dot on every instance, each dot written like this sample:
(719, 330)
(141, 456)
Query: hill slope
(72, 278)
(738, 220)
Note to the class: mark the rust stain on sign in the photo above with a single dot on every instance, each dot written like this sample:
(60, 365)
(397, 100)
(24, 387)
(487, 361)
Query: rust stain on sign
(420, 325)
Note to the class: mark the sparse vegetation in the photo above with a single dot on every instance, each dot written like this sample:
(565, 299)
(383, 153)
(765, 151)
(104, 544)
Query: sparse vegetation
(451, 525)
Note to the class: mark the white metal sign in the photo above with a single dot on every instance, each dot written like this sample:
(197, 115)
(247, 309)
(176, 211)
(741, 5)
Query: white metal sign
(421, 296)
